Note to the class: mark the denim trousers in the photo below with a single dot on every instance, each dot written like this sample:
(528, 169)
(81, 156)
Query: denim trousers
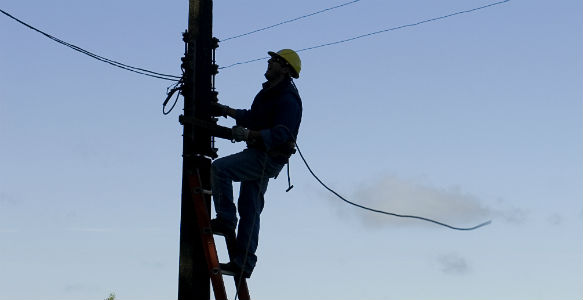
(252, 168)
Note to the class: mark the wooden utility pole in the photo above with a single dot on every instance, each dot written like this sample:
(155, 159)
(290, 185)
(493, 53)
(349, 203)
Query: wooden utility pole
(193, 282)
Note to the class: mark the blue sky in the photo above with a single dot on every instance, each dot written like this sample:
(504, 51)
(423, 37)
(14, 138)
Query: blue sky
(466, 119)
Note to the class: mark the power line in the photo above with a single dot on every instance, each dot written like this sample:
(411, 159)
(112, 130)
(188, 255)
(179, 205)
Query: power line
(98, 57)
(290, 20)
(376, 32)
(403, 26)
(385, 212)
(372, 209)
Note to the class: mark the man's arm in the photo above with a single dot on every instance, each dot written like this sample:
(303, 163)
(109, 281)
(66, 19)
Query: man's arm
(223, 110)
(243, 134)
(230, 112)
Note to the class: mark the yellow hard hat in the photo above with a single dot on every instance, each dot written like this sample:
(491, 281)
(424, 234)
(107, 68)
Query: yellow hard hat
(292, 58)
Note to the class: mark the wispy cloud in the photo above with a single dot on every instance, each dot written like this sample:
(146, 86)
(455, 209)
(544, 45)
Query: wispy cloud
(81, 287)
(453, 264)
(7, 199)
(555, 219)
(90, 229)
(408, 197)
(153, 264)
(504, 211)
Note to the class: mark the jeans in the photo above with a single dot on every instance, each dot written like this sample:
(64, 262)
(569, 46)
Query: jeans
(252, 168)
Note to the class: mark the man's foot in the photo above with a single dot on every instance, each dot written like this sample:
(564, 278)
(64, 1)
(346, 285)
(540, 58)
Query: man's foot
(221, 227)
(232, 269)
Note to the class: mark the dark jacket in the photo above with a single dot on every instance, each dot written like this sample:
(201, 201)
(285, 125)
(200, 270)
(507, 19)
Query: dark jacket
(277, 113)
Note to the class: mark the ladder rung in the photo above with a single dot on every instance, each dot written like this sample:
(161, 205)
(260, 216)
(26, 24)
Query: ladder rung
(226, 235)
(216, 271)
(202, 191)
(207, 230)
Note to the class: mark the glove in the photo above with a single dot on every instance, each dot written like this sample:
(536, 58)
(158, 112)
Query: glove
(240, 133)
(218, 109)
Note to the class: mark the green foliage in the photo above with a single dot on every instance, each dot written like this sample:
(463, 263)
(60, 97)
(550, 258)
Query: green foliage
(111, 296)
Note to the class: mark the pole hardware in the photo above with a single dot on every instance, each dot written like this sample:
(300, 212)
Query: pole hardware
(212, 127)
(214, 96)
(214, 69)
(215, 43)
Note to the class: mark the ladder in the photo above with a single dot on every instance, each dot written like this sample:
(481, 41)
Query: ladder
(200, 198)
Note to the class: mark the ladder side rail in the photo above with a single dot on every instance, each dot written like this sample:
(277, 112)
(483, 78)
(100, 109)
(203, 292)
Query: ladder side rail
(209, 247)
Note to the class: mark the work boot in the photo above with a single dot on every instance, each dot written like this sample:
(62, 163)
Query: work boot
(220, 227)
(232, 269)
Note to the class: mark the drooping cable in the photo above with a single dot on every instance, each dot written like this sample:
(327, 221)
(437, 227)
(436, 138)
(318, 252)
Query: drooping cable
(376, 32)
(380, 211)
(98, 57)
(245, 257)
(170, 93)
(368, 208)
(291, 20)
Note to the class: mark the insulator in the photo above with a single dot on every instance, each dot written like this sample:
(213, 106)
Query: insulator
(214, 96)
(215, 43)
(214, 69)
(186, 36)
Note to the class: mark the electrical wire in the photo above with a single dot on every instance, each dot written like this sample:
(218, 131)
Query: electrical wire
(290, 20)
(385, 212)
(372, 209)
(172, 107)
(177, 87)
(240, 278)
(376, 32)
(98, 57)
(403, 26)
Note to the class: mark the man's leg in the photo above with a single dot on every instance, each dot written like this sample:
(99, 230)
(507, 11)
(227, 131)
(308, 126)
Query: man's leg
(222, 189)
(243, 166)
(251, 203)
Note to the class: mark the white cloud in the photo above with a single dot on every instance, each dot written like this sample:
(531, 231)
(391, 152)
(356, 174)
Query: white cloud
(407, 197)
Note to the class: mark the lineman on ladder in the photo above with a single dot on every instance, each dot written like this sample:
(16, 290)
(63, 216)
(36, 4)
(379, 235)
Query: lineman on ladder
(270, 128)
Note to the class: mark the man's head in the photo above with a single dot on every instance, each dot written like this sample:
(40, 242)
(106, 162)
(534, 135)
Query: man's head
(284, 63)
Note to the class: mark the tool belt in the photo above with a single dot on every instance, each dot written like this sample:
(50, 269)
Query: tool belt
(280, 153)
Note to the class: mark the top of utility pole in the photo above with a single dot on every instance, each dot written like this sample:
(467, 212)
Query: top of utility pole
(193, 16)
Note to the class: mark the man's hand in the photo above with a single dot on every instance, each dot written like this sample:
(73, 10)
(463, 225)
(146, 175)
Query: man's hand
(222, 110)
(240, 133)
(218, 109)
